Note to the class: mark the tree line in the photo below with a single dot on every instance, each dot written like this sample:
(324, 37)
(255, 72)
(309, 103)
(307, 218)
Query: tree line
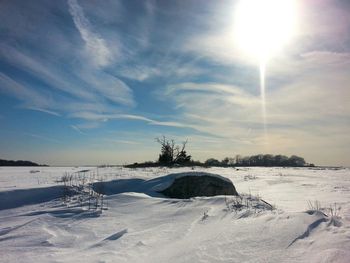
(172, 154)
(259, 160)
(17, 163)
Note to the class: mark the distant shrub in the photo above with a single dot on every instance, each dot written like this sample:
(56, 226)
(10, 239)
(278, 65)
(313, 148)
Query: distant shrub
(212, 162)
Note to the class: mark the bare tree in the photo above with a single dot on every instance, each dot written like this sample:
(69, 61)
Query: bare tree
(171, 153)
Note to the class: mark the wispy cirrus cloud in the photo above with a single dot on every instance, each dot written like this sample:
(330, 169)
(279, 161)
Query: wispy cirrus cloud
(123, 142)
(61, 75)
(76, 128)
(96, 46)
(105, 117)
(21, 92)
(45, 71)
(43, 110)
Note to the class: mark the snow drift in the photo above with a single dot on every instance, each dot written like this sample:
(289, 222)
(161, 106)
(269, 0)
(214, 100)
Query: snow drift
(36, 226)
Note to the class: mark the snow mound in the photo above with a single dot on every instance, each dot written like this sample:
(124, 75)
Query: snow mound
(153, 187)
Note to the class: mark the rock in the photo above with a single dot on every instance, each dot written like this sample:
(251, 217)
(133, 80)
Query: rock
(199, 184)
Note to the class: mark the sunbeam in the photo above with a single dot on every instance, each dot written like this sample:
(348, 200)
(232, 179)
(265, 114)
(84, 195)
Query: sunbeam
(262, 28)
(263, 98)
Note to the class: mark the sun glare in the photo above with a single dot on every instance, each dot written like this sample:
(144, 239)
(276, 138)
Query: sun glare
(262, 27)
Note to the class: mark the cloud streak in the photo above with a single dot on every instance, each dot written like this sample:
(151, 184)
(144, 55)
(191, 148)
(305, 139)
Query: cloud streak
(105, 117)
(96, 46)
(21, 92)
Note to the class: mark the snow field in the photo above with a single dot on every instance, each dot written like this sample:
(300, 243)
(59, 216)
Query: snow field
(139, 226)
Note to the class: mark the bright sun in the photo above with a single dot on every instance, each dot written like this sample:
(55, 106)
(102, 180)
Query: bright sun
(262, 27)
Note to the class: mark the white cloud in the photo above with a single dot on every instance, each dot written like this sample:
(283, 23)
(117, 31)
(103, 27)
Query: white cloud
(122, 141)
(74, 127)
(92, 116)
(88, 87)
(108, 86)
(96, 46)
(43, 71)
(139, 73)
(44, 110)
(318, 90)
(29, 97)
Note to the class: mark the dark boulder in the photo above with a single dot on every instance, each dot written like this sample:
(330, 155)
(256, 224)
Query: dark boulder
(199, 184)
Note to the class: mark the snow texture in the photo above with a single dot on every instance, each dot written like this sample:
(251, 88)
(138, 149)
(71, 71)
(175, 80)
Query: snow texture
(139, 225)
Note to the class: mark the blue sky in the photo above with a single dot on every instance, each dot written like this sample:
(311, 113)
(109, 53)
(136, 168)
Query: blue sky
(94, 82)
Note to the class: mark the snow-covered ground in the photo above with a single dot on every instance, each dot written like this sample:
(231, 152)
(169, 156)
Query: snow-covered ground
(138, 225)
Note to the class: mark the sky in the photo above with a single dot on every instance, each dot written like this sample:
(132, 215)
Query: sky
(85, 82)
